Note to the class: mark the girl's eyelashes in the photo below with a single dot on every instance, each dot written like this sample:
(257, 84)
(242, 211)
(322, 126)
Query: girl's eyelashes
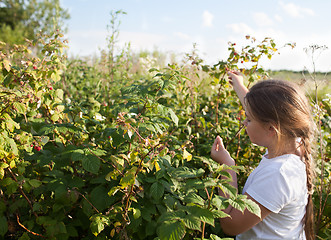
(247, 118)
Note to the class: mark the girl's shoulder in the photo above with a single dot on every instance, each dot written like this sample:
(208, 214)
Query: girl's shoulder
(288, 164)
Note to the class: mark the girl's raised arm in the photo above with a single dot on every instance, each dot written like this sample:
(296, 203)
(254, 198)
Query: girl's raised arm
(237, 81)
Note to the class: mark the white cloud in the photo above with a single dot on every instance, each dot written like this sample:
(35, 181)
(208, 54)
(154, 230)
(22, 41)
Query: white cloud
(262, 19)
(240, 28)
(278, 18)
(296, 11)
(141, 40)
(207, 18)
(182, 36)
(86, 42)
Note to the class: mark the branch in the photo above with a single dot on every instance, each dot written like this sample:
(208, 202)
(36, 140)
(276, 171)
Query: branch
(22, 192)
(21, 225)
(87, 200)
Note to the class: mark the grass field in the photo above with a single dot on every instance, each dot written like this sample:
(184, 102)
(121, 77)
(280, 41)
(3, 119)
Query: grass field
(309, 81)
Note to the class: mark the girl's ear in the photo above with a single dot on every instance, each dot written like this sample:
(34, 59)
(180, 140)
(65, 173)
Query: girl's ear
(272, 130)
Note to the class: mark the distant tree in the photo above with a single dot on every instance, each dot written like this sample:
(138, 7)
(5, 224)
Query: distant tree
(21, 19)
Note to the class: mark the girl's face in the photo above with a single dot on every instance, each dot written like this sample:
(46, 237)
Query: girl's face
(258, 132)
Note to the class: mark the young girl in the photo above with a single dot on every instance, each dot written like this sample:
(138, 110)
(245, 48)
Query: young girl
(278, 118)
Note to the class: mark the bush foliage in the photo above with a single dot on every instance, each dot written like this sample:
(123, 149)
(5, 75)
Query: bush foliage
(92, 152)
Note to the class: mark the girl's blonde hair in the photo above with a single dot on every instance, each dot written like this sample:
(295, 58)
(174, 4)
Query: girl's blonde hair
(284, 106)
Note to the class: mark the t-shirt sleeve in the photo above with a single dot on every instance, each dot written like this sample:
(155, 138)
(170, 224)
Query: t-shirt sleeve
(270, 188)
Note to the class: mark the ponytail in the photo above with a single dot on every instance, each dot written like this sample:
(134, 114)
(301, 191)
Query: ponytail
(309, 216)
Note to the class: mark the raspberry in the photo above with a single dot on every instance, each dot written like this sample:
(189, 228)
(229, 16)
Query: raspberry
(37, 148)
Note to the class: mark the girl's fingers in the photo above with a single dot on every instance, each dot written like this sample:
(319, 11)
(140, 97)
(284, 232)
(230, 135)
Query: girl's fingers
(217, 143)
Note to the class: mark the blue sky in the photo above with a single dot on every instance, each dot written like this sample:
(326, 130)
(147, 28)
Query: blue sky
(173, 26)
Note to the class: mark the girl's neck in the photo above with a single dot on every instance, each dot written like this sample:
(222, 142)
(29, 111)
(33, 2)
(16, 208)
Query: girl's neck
(286, 147)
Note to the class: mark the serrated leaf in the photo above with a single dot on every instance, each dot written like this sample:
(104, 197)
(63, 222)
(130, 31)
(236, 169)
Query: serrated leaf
(215, 237)
(157, 190)
(98, 224)
(228, 189)
(91, 164)
(192, 222)
(77, 155)
(13, 146)
(99, 198)
(136, 213)
(187, 156)
(202, 213)
(237, 203)
(35, 183)
(173, 116)
(44, 139)
(20, 107)
(219, 214)
(253, 207)
(172, 230)
(194, 198)
(59, 93)
(6, 65)
(185, 172)
(55, 76)
(3, 225)
(129, 178)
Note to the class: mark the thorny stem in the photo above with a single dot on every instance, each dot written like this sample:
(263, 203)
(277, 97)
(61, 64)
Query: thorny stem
(218, 100)
(87, 201)
(26, 229)
(22, 192)
(237, 133)
(132, 186)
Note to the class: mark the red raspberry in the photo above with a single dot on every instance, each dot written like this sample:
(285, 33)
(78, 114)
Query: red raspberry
(37, 148)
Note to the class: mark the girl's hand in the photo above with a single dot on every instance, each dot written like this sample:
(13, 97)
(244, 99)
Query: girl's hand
(236, 78)
(237, 81)
(220, 154)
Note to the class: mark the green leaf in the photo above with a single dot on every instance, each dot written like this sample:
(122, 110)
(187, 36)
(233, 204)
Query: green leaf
(136, 213)
(44, 140)
(185, 172)
(129, 178)
(100, 198)
(2, 207)
(237, 203)
(34, 183)
(187, 156)
(215, 237)
(253, 207)
(151, 228)
(202, 213)
(192, 222)
(20, 107)
(228, 189)
(173, 116)
(13, 146)
(157, 190)
(3, 225)
(98, 223)
(91, 163)
(55, 76)
(172, 230)
(6, 65)
(194, 198)
(219, 214)
(77, 155)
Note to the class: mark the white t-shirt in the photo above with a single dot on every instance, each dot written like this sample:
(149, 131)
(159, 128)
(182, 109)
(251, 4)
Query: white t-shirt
(280, 185)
